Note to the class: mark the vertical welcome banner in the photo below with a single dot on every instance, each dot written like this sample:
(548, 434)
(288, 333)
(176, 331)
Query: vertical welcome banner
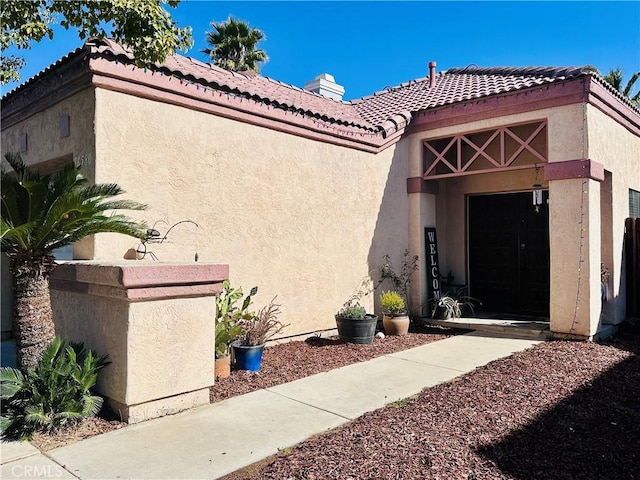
(433, 269)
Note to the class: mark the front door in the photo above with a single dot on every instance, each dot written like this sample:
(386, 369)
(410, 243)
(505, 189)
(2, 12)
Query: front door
(509, 253)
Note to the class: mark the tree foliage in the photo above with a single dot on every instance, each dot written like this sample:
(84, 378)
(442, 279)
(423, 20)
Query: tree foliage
(144, 25)
(234, 45)
(616, 78)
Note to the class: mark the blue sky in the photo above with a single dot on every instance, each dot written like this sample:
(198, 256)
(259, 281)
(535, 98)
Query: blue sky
(369, 45)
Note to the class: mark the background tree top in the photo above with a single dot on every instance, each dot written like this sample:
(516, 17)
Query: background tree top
(144, 25)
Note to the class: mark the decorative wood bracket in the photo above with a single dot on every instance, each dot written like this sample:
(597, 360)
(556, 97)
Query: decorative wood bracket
(506, 148)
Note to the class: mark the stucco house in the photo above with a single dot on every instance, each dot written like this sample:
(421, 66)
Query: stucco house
(526, 174)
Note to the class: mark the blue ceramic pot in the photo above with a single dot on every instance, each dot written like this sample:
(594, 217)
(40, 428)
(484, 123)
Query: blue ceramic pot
(248, 357)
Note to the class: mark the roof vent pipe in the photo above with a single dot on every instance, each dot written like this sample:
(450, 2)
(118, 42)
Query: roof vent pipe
(432, 74)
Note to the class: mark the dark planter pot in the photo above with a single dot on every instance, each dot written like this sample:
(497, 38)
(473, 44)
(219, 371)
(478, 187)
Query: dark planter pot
(248, 357)
(357, 331)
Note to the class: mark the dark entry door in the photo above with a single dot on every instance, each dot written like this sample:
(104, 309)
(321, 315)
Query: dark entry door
(509, 253)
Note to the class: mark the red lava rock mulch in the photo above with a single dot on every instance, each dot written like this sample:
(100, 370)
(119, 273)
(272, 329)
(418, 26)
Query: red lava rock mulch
(560, 410)
(290, 361)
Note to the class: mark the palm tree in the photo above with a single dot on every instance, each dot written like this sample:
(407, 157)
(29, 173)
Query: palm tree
(234, 44)
(614, 77)
(39, 214)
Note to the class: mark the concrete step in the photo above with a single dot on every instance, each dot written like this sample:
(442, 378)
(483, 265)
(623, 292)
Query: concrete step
(526, 329)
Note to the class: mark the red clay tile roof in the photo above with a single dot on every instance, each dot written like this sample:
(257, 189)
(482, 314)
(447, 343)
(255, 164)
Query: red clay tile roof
(459, 85)
(384, 110)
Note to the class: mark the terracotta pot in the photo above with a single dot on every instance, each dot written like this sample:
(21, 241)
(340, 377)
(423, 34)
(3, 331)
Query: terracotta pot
(396, 324)
(222, 367)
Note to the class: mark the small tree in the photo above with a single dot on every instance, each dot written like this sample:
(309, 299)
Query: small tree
(234, 45)
(39, 214)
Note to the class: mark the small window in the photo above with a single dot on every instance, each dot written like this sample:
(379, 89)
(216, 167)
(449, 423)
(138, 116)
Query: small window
(63, 253)
(634, 203)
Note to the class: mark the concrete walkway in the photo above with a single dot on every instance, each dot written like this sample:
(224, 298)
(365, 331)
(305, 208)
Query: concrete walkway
(213, 440)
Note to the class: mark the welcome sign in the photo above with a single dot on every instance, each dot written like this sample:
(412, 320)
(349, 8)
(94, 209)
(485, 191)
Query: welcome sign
(433, 269)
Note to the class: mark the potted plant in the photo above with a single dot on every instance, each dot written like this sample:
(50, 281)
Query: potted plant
(248, 348)
(401, 281)
(452, 305)
(395, 319)
(354, 324)
(229, 318)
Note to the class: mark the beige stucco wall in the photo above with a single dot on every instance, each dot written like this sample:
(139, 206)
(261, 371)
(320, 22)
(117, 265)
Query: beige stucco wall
(575, 256)
(301, 219)
(44, 144)
(43, 133)
(150, 344)
(618, 150)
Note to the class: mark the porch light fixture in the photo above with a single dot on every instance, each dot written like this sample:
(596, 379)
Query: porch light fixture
(537, 193)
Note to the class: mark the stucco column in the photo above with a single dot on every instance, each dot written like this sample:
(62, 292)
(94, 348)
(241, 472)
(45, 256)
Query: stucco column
(154, 320)
(422, 213)
(574, 238)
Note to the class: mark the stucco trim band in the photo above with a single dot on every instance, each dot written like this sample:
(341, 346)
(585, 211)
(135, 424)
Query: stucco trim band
(419, 185)
(583, 168)
(140, 282)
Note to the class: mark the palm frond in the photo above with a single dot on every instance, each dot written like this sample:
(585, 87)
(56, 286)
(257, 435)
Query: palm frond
(44, 212)
(53, 352)
(36, 416)
(630, 83)
(11, 382)
(92, 405)
(19, 237)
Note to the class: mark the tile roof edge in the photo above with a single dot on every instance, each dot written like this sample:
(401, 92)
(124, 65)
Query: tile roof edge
(116, 77)
(113, 47)
(531, 71)
(611, 89)
(45, 71)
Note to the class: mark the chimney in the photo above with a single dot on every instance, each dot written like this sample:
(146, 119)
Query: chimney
(432, 74)
(326, 86)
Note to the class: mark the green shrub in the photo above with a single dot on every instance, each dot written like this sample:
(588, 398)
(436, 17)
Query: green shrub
(54, 394)
(229, 316)
(392, 303)
(353, 312)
